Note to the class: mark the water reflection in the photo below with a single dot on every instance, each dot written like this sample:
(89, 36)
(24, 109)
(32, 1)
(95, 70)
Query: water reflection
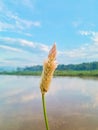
(72, 103)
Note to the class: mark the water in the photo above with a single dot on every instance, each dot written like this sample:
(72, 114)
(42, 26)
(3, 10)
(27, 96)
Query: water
(72, 103)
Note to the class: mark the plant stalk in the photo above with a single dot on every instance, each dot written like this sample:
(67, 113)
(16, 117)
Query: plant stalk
(45, 112)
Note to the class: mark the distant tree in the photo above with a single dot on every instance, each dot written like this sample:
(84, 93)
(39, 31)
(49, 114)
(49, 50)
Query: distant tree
(61, 67)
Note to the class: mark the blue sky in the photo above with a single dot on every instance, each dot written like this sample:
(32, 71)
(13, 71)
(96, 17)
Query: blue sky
(28, 28)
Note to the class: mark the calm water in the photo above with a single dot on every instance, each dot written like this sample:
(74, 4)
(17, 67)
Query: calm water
(72, 103)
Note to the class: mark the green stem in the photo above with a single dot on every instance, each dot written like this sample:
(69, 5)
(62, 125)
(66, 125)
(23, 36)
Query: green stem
(45, 112)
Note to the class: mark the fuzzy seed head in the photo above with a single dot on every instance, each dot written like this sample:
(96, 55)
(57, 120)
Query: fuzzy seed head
(48, 70)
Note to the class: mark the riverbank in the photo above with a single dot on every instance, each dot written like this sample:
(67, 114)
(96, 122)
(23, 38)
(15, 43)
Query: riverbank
(57, 73)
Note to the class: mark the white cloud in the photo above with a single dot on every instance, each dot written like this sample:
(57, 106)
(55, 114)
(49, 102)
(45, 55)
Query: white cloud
(21, 23)
(5, 26)
(85, 53)
(4, 62)
(23, 42)
(10, 48)
(95, 37)
(85, 33)
(30, 53)
(74, 53)
(18, 24)
(81, 23)
(26, 43)
(12, 22)
(44, 47)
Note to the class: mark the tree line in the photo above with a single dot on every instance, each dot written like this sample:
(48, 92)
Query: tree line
(61, 67)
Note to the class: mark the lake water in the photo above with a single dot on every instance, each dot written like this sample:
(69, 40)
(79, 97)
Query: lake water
(72, 103)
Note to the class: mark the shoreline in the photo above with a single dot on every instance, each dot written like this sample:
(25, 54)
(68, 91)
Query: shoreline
(92, 73)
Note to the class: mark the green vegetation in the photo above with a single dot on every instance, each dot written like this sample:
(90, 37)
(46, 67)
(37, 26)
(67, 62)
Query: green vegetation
(79, 67)
(84, 69)
(76, 73)
(36, 73)
(76, 67)
(57, 73)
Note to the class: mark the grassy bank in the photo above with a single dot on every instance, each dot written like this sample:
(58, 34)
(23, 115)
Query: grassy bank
(77, 73)
(35, 73)
(57, 73)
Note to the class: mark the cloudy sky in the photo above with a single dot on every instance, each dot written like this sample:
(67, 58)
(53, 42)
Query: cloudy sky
(28, 28)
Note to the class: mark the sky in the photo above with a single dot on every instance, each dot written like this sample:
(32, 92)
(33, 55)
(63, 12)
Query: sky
(29, 28)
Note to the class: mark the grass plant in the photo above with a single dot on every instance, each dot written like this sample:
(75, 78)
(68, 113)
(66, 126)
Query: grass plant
(47, 74)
